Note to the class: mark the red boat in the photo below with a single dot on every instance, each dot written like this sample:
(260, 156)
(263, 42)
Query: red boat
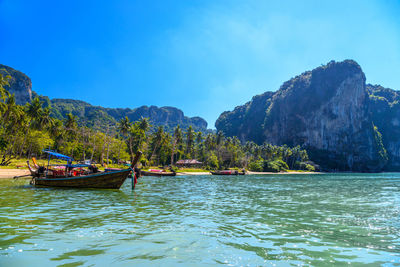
(77, 177)
(228, 172)
(157, 173)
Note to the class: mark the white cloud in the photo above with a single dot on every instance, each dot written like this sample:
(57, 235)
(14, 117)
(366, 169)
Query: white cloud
(230, 53)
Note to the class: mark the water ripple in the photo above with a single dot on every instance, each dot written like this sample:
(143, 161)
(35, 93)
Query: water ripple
(319, 220)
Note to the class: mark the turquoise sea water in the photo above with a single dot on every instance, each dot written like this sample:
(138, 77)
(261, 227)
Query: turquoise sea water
(266, 220)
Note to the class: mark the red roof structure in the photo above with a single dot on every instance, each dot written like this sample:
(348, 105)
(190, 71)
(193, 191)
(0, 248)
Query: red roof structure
(188, 162)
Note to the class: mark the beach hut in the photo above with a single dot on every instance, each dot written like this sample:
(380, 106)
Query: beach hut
(189, 163)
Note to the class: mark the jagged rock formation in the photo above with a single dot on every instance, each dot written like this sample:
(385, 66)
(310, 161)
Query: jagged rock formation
(326, 110)
(20, 84)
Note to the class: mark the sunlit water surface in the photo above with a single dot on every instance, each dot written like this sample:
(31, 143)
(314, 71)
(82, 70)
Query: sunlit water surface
(281, 220)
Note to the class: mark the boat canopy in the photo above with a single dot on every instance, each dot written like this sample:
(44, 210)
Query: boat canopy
(58, 155)
(79, 165)
(71, 165)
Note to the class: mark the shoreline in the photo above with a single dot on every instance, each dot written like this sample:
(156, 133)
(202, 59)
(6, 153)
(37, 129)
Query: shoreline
(291, 172)
(249, 173)
(10, 173)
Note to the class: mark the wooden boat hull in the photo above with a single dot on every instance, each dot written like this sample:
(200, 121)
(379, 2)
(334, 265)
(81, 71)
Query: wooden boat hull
(104, 180)
(158, 174)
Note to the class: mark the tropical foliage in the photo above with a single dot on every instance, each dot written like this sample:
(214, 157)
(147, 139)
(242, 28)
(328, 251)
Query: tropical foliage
(26, 131)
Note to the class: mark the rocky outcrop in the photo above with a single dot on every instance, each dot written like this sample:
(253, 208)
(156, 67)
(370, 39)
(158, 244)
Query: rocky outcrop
(384, 106)
(246, 121)
(325, 110)
(20, 84)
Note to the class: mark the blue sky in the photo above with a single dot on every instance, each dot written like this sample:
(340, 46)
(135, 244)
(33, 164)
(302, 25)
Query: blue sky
(204, 57)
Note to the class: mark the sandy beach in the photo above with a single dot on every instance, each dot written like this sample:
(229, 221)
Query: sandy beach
(192, 173)
(10, 173)
(292, 172)
(248, 173)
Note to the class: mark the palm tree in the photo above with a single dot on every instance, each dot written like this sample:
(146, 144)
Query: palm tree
(46, 121)
(71, 130)
(198, 146)
(176, 139)
(9, 108)
(34, 112)
(11, 122)
(156, 141)
(144, 124)
(189, 141)
(71, 122)
(57, 132)
(210, 142)
(220, 138)
(125, 126)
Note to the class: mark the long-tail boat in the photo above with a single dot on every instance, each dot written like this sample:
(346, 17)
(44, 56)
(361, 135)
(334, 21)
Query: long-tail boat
(228, 172)
(158, 173)
(75, 176)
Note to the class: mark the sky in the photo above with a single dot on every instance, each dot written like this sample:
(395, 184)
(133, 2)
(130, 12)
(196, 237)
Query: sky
(202, 56)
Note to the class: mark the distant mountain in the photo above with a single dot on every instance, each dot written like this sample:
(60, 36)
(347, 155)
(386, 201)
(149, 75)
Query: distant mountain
(343, 123)
(96, 116)
(169, 117)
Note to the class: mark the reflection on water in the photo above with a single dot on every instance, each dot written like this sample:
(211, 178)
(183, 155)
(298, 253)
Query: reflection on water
(319, 220)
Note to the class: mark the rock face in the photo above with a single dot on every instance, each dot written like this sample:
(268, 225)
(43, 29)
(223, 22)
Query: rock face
(20, 84)
(246, 121)
(385, 110)
(326, 110)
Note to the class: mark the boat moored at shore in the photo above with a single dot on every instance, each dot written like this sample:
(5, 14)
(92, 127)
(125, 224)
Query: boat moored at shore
(91, 178)
(158, 173)
(228, 172)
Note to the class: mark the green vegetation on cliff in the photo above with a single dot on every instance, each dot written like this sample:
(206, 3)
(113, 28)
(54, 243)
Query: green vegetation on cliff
(27, 130)
(18, 84)
(384, 107)
(329, 111)
(97, 117)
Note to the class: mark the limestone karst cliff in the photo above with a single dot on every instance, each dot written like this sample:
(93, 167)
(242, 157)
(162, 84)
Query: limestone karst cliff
(20, 84)
(328, 111)
(384, 105)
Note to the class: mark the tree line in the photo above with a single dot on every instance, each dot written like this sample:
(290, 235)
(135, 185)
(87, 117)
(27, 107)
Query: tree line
(26, 131)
